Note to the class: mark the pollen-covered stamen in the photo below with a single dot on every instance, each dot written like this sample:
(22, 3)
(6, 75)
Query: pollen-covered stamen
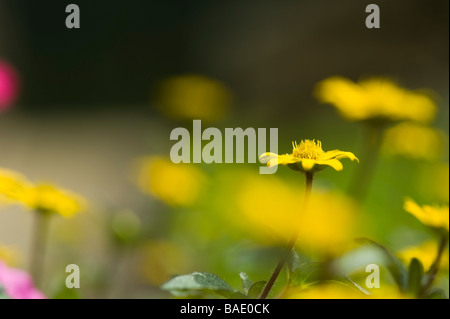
(308, 149)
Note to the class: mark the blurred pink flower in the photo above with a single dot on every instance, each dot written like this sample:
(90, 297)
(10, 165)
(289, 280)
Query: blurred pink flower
(9, 85)
(17, 283)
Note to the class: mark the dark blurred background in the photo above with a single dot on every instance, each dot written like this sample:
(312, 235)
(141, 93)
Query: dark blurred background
(265, 51)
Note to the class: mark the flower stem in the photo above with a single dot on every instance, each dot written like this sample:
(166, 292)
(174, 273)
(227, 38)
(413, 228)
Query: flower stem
(434, 268)
(361, 181)
(38, 246)
(291, 243)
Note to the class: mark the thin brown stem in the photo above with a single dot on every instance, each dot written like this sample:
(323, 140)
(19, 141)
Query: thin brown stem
(291, 243)
(434, 268)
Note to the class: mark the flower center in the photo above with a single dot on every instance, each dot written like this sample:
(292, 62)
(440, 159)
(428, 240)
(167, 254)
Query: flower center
(308, 149)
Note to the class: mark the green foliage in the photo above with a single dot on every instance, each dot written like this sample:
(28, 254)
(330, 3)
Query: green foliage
(203, 284)
(410, 280)
(393, 264)
(354, 284)
(198, 284)
(437, 293)
(415, 276)
(312, 273)
(294, 261)
(307, 273)
(66, 293)
(252, 290)
(246, 282)
(256, 289)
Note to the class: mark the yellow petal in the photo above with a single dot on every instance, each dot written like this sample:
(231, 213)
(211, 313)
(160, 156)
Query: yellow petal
(337, 154)
(283, 160)
(287, 159)
(273, 162)
(273, 159)
(412, 207)
(436, 217)
(333, 163)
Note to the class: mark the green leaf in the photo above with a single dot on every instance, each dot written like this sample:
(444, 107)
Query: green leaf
(394, 265)
(354, 284)
(246, 282)
(294, 261)
(200, 283)
(3, 294)
(307, 273)
(436, 293)
(256, 289)
(415, 275)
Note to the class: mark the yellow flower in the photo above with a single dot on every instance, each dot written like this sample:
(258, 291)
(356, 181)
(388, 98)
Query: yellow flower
(268, 210)
(308, 156)
(375, 98)
(13, 186)
(432, 216)
(414, 141)
(188, 97)
(46, 198)
(175, 184)
(426, 253)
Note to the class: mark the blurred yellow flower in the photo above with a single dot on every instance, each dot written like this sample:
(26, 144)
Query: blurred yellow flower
(414, 141)
(9, 255)
(337, 290)
(432, 216)
(188, 97)
(13, 186)
(45, 198)
(175, 184)
(308, 156)
(268, 210)
(426, 253)
(375, 98)
(324, 291)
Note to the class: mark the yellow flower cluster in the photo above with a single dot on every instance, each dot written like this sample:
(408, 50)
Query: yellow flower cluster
(375, 99)
(44, 198)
